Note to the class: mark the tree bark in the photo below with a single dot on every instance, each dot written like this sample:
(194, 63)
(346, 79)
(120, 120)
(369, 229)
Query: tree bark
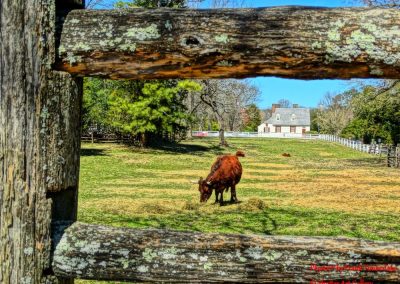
(99, 252)
(39, 141)
(222, 141)
(293, 42)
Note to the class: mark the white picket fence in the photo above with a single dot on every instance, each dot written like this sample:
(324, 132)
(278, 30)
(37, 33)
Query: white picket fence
(357, 145)
(235, 134)
(391, 152)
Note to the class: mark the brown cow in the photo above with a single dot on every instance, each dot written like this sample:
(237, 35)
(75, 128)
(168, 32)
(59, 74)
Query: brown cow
(225, 173)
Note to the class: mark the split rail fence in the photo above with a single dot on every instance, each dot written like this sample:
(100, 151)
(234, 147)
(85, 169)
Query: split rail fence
(47, 46)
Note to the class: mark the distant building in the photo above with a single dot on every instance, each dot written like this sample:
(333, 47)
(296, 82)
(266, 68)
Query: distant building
(293, 120)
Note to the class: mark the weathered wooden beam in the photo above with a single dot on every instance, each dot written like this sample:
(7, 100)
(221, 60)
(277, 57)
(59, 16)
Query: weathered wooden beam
(39, 141)
(293, 42)
(98, 252)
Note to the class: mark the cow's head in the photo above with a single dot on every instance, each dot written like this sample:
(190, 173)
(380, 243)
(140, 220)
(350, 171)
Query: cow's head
(205, 190)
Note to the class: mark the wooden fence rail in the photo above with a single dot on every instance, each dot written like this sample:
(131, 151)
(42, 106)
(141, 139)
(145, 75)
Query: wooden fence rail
(295, 42)
(100, 252)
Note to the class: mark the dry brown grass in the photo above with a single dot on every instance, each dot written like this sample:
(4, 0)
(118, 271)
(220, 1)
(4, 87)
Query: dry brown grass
(353, 190)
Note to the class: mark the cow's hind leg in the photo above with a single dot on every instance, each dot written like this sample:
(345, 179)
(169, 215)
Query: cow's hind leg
(233, 194)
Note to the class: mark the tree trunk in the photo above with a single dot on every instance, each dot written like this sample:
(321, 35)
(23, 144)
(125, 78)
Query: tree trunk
(293, 42)
(39, 141)
(144, 139)
(222, 141)
(189, 132)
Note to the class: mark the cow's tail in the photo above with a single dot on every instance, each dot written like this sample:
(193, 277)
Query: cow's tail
(240, 154)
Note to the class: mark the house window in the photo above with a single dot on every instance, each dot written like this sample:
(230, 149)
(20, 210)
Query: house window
(292, 129)
(278, 117)
(277, 129)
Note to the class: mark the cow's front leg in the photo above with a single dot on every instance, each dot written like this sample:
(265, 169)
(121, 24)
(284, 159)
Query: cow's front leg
(221, 199)
(216, 195)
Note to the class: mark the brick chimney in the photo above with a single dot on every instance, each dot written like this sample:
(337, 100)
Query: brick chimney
(274, 107)
(295, 106)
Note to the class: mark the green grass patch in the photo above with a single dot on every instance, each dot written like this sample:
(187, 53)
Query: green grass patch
(323, 189)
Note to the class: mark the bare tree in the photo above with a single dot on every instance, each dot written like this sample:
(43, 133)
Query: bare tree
(335, 112)
(285, 103)
(211, 97)
(266, 114)
(91, 4)
(226, 99)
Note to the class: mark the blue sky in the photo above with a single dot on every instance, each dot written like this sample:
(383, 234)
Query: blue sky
(305, 93)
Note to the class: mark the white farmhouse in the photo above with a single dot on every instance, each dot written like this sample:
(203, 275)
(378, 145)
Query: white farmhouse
(287, 121)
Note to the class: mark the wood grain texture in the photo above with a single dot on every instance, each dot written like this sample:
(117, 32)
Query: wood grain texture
(99, 252)
(292, 42)
(37, 138)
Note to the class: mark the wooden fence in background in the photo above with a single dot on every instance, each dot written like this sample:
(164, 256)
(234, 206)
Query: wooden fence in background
(392, 153)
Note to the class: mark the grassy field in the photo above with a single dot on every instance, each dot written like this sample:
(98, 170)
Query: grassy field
(324, 189)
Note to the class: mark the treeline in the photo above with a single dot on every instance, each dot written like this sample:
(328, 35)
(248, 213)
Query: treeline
(369, 114)
(167, 110)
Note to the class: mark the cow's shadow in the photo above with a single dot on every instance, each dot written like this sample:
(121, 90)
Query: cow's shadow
(227, 203)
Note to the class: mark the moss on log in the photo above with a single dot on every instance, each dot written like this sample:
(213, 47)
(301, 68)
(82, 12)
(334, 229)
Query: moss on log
(98, 252)
(293, 42)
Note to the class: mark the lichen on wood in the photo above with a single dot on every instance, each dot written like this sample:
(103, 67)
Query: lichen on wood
(107, 253)
(293, 42)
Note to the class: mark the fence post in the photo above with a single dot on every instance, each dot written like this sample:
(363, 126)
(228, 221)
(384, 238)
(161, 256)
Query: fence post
(392, 156)
(39, 140)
